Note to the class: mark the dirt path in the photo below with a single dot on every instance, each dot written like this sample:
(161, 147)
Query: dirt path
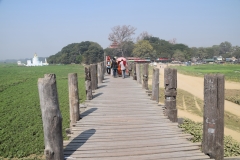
(194, 85)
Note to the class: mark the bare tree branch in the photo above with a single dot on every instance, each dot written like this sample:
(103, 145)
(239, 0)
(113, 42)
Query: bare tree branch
(173, 41)
(121, 34)
(143, 35)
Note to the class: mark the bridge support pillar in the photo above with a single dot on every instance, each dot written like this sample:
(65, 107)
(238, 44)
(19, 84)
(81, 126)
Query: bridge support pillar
(100, 72)
(134, 71)
(73, 98)
(213, 118)
(145, 76)
(138, 72)
(170, 84)
(88, 83)
(51, 117)
(155, 85)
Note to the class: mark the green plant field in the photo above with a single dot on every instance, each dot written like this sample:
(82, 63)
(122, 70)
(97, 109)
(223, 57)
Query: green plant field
(231, 147)
(20, 114)
(231, 71)
(233, 95)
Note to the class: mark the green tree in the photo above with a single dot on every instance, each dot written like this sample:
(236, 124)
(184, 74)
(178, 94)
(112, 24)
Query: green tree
(225, 47)
(210, 52)
(143, 49)
(202, 53)
(85, 52)
(128, 48)
(179, 55)
(236, 52)
(216, 50)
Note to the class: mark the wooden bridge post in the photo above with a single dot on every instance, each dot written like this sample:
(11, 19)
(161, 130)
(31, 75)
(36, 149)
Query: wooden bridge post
(96, 76)
(145, 76)
(73, 98)
(155, 85)
(138, 72)
(93, 73)
(88, 83)
(141, 72)
(129, 65)
(213, 118)
(103, 70)
(170, 84)
(51, 117)
(99, 72)
(134, 71)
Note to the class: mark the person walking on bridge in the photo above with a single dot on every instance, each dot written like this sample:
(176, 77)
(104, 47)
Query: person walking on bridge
(114, 66)
(123, 68)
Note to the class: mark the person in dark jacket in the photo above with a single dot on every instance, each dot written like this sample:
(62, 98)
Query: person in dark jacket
(114, 66)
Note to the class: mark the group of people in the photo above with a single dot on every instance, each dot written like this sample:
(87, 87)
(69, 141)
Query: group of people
(117, 67)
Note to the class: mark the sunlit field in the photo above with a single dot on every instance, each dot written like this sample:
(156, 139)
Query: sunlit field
(20, 115)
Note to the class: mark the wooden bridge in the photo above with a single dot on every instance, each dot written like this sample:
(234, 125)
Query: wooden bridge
(122, 123)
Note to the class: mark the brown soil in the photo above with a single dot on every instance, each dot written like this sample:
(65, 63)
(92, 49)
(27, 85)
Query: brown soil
(194, 85)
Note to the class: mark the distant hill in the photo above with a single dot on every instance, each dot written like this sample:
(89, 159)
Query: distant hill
(86, 52)
(22, 60)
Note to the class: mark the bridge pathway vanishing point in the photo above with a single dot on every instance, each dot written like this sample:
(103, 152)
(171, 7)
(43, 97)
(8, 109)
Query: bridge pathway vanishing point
(122, 123)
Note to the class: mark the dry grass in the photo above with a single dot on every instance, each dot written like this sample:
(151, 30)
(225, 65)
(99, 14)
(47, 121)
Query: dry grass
(233, 95)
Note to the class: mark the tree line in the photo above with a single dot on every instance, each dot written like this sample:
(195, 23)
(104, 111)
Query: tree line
(86, 52)
(145, 45)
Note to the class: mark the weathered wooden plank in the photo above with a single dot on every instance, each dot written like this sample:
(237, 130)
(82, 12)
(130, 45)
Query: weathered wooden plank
(141, 125)
(168, 155)
(122, 123)
(112, 145)
(126, 138)
(117, 139)
(132, 152)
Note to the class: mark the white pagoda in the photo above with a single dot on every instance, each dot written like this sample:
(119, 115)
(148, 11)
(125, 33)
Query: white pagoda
(36, 62)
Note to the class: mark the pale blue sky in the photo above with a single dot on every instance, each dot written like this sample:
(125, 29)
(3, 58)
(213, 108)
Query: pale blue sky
(46, 26)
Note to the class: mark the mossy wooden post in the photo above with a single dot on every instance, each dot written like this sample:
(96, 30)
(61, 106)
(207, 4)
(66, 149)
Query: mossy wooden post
(145, 76)
(51, 117)
(213, 118)
(134, 71)
(99, 72)
(138, 72)
(96, 76)
(93, 73)
(103, 70)
(73, 98)
(88, 83)
(170, 84)
(129, 65)
(155, 85)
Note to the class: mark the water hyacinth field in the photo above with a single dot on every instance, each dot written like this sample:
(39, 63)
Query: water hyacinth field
(231, 71)
(20, 114)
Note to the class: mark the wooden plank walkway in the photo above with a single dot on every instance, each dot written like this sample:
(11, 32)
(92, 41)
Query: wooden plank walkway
(122, 123)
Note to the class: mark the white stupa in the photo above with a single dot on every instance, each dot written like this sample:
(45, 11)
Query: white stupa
(36, 62)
